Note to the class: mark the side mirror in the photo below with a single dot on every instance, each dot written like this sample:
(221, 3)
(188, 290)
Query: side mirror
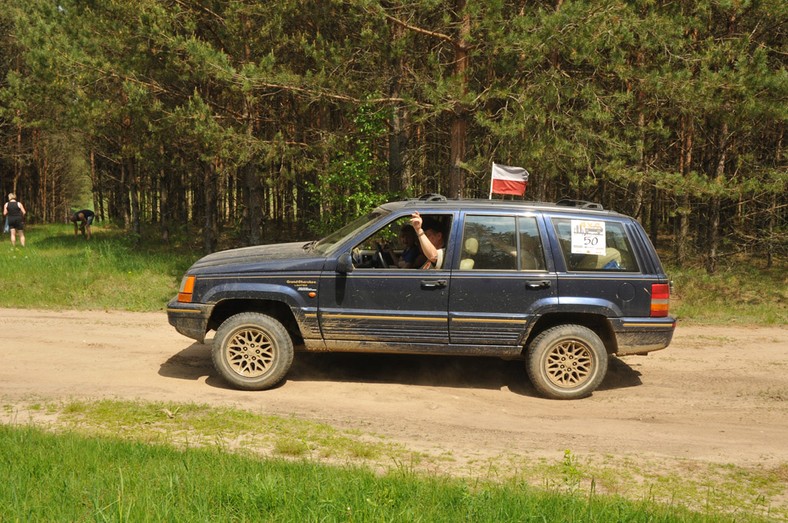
(345, 263)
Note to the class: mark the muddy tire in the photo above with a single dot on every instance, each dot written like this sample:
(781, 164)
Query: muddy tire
(566, 362)
(252, 351)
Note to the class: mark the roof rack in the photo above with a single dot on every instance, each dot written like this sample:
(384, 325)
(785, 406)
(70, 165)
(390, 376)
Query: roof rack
(582, 204)
(432, 197)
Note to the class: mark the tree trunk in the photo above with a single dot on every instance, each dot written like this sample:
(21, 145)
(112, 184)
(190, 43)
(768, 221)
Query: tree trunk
(253, 187)
(94, 185)
(253, 191)
(714, 212)
(772, 220)
(136, 218)
(209, 208)
(42, 165)
(684, 210)
(459, 124)
(636, 186)
(397, 176)
(164, 208)
(18, 156)
(122, 197)
(654, 219)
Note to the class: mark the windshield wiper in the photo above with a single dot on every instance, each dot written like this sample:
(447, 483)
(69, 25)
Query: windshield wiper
(309, 245)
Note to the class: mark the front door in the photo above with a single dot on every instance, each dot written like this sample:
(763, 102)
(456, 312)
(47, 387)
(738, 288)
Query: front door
(381, 302)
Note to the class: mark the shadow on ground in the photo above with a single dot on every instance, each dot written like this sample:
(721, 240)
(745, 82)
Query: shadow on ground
(194, 362)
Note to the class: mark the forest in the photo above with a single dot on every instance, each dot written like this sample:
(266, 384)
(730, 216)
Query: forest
(239, 122)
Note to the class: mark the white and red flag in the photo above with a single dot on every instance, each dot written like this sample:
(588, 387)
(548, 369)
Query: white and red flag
(508, 180)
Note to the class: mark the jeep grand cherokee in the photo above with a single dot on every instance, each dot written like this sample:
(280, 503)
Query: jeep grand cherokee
(560, 286)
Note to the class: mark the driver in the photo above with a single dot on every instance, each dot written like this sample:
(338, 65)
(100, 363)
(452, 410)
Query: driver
(411, 257)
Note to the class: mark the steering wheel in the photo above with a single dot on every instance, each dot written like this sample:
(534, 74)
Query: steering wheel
(381, 258)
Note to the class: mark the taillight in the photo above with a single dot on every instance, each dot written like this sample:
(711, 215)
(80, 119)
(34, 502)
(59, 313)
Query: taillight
(187, 288)
(660, 299)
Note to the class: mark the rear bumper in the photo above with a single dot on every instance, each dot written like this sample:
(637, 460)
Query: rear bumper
(642, 335)
(189, 319)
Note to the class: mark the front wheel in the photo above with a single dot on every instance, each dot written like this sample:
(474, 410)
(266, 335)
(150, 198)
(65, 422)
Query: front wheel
(566, 362)
(252, 351)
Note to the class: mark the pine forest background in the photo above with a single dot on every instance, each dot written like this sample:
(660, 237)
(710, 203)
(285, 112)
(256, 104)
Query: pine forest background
(247, 121)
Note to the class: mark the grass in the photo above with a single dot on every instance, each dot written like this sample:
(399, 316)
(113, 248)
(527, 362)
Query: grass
(57, 270)
(127, 461)
(738, 293)
(185, 424)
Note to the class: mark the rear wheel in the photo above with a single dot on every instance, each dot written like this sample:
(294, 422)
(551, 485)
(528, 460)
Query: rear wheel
(252, 351)
(566, 362)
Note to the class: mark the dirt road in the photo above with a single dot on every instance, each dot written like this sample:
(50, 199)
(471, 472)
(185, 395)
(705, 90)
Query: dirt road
(717, 395)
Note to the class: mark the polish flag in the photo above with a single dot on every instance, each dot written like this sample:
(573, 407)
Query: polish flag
(508, 180)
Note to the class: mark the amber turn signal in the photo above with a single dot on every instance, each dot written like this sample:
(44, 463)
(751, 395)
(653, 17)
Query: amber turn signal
(187, 288)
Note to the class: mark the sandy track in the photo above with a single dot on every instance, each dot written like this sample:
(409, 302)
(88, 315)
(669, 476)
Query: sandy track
(717, 395)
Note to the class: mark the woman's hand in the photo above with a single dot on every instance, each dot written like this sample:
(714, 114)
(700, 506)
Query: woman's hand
(416, 221)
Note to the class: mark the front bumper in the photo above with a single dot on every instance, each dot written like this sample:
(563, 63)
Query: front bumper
(642, 335)
(189, 319)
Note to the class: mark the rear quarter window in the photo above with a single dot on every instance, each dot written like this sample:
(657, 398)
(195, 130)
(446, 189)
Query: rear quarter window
(590, 244)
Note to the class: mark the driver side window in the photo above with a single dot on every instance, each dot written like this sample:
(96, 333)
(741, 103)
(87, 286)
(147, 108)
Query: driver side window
(393, 246)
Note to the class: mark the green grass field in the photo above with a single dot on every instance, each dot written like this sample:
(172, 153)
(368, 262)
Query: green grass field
(739, 293)
(83, 470)
(68, 476)
(57, 270)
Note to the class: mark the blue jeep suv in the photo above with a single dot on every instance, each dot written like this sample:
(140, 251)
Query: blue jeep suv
(560, 286)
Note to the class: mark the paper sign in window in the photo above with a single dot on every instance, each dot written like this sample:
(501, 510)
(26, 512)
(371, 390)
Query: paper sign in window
(588, 237)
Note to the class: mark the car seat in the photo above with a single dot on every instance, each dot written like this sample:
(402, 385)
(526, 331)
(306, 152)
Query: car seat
(470, 248)
(610, 260)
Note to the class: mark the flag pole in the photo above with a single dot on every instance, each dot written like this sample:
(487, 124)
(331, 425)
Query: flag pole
(491, 181)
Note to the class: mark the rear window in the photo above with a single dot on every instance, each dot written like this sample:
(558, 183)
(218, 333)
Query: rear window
(595, 245)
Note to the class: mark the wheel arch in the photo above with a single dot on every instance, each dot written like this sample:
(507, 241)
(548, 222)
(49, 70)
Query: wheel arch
(276, 309)
(596, 322)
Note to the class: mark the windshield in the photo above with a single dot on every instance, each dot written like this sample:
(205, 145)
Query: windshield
(327, 244)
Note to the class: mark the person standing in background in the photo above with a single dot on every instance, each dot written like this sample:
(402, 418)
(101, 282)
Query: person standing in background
(15, 212)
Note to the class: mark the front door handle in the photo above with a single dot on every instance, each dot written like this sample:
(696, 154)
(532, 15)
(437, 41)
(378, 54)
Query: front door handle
(433, 284)
(535, 285)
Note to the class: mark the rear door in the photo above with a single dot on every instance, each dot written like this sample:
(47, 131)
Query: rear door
(602, 268)
(500, 278)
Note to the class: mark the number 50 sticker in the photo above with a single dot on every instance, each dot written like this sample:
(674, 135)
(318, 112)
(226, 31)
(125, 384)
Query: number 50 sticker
(588, 237)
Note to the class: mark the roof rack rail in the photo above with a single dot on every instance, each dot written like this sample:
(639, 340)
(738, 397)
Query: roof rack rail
(582, 204)
(432, 197)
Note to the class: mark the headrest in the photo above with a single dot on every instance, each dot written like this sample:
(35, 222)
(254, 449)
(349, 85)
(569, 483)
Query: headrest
(466, 264)
(471, 246)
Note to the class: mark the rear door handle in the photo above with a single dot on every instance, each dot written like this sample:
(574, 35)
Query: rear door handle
(433, 284)
(535, 285)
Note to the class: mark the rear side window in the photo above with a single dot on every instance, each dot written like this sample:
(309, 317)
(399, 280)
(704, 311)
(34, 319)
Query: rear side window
(489, 242)
(501, 243)
(595, 245)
